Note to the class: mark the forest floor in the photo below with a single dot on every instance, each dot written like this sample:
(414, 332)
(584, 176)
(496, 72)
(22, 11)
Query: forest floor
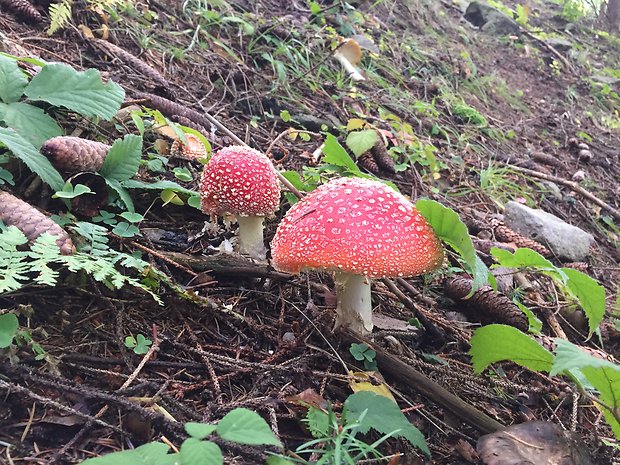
(253, 338)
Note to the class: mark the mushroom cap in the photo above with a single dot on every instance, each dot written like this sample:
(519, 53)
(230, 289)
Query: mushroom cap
(241, 181)
(357, 226)
(193, 150)
(351, 50)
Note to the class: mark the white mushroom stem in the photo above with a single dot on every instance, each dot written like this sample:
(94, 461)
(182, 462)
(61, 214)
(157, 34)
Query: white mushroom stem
(351, 70)
(251, 237)
(354, 309)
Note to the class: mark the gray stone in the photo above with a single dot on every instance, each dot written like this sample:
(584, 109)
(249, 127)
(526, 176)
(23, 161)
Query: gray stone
(490, 20)
(566, 241)
(562, 45)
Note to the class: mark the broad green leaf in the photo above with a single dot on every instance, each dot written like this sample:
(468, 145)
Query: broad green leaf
(295, 179)
(449, 227)
(27, 153)
(382, 415)
(335, 154)
(157, 185)
(12, 80)
(496, 343)
(152, 453)
(122, 193)
(591, 295)
(81, 91)
(318, 422)
(29, 121)
(196, 452)
(124, 229)
(534, 323)
(279, 460)
(362, 141)
(182, 174)
(123, 159)
(70, 192)
(199, 430)
(602, 374)
(246, 427)
(194, 201)
(8, 328)
(170, 196)
(132, 217)
(522, 258)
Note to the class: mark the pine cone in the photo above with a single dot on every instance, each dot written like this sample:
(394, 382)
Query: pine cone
(368, 162)
(74, 154)
(505, 234)
(23, 9)
(486, 305)
(33, 223)
(382, 157)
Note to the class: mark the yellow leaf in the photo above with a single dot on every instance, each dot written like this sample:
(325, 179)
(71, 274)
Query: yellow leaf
(355, 123)
(361, 381)
(86, 31)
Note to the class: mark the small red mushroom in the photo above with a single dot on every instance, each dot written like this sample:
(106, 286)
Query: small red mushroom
(243, 182)
(361, 229)
(192, 150)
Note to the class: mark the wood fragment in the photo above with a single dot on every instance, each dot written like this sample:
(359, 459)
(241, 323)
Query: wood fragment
(393, 366)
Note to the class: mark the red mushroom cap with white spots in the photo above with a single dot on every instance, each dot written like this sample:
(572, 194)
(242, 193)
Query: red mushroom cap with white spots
(241, 181)
(357, 226)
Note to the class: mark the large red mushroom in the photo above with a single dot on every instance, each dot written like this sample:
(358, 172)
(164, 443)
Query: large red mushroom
(361, 229)
(243, 182)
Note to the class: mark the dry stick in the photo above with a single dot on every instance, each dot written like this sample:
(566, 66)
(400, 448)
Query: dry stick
(162, 104)
(559, 56)
(573, 185)
(429, 388)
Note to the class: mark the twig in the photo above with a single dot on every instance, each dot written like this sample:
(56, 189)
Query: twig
(573, 185)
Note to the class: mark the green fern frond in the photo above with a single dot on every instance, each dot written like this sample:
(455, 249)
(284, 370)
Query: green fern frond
(43, 252)
(13, 265)
(60, 15)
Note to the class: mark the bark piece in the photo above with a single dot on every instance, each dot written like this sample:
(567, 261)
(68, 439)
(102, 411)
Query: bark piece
(485, 304)
(33, 223)
(74, 154)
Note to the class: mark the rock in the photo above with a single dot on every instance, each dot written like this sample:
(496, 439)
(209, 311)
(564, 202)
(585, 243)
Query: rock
(563, 239)
(579, 176)
(490, 20)
(561, 45)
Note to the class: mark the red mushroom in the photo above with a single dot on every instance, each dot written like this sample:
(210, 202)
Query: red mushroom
(243, 182)
(361, 229)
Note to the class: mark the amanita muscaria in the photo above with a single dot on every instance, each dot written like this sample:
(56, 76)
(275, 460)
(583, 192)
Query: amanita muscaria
(361, 229)
(241, 181)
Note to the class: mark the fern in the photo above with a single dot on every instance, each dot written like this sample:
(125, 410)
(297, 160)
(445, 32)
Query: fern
(60, 15)
(19, 268)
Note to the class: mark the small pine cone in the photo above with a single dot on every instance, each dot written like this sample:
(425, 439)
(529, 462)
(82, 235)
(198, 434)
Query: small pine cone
(368, 162)
(505, 234)
(579, 266)
(33, 223)
(546, 159)
(74, 154)
(382, 157)
(486, 305)
(23, 9)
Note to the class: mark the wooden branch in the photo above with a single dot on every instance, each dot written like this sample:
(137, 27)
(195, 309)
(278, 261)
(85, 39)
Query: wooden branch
(226, 265)
(395, 367)
(572, 185)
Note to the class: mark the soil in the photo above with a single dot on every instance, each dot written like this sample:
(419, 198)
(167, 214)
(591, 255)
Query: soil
(237, 334)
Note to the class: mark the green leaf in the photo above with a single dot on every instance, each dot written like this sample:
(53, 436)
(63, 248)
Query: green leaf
(157, 185)
(495, 343)
(170, 196)
(196, 452)
(602, 374)
(152, 453)
(70, 192)
(382, 415)
(335, 154)
(199, 430)
(318, 422)
(246, 427)
(8, 329)
(123, 159)
(182, 174)
(31, 122)
(79, 91)
(122, 193)
(522, 258)
(130, 342)
(362, 141)
(27, 153)
(591, 295)
(534, 323)
(194, 201)
(450, 229)
(12, 80)
(124, 229)
(295, 179)
(279, 460)
(132, 217)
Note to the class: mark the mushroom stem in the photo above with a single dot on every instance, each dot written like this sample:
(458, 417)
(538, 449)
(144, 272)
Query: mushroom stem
(251, 237)
(348, 66)
(354, 309)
